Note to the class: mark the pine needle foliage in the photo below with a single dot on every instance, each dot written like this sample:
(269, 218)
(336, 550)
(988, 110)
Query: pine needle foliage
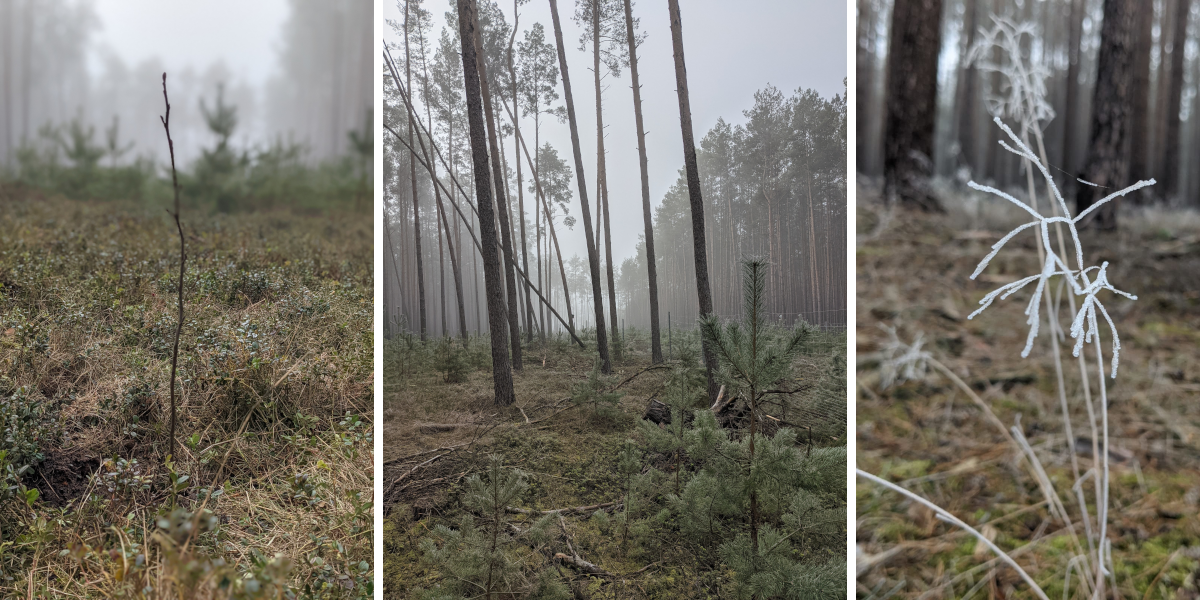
(596, 392)
(489, 556)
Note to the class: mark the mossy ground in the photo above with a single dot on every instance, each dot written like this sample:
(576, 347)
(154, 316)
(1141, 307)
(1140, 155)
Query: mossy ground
(912, 273)
(569, 453)
(275, 410)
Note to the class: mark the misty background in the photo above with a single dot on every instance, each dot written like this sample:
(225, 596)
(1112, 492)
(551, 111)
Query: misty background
(768, 104)
(732, 50)
(297, 71)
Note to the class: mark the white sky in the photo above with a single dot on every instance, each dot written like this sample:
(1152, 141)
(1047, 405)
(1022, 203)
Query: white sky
(244, 35)
(732, 49)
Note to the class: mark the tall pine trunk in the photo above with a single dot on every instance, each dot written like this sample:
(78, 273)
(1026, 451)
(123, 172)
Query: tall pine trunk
(455, 257)
(412, 178)
(602, 180)
(1107, 163)
(493, 278)
(499, 183)
(656, 355)
(911, 103)
(593, 257)
(703, 291)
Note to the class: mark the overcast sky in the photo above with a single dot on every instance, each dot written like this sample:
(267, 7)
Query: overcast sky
(732, 49)
(244, 35)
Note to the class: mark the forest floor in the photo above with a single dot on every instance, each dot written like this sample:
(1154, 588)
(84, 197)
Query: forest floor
(269, 493)
(437, 434)
(929, 436)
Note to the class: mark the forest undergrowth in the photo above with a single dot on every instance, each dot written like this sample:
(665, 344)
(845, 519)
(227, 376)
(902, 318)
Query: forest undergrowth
(270, 493)
(621, 486)
(930, 436)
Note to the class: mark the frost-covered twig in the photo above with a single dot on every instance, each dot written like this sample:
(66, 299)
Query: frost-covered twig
(1084, 325)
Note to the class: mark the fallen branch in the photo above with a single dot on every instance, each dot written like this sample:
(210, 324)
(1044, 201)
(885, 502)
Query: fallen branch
(424, 452)
(551, 416)
(562, 511)
(573, 559)
(803, 388)
(718, 406)
(647, 369)
(411, 471)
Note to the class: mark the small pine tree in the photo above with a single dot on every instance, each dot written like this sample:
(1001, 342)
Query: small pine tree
(595, 393)
(488, 556)
(218, 169)
(751, 360)
(450, 362)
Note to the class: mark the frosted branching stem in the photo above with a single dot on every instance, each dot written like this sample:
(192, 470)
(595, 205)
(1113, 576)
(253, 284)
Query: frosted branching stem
(1086, 282)
(943, 515)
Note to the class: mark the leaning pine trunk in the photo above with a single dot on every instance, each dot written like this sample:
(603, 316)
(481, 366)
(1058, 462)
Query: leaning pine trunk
(703, 291)
(593, 257)
(651, 268)
(493, 278)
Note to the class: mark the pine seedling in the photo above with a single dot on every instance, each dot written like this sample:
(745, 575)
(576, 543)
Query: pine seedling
(450, 362)
(748, 359)
(487, 555)
(595, 393)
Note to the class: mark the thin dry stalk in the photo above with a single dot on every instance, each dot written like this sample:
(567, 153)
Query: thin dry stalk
(166, 122)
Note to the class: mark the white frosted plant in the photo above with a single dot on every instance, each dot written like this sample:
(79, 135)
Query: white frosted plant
(1000, 50)
(1022, 99)
(902, 362)
(1084, 326)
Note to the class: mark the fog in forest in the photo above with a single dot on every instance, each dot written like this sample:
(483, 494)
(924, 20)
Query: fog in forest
(767, 88)
(296, 71)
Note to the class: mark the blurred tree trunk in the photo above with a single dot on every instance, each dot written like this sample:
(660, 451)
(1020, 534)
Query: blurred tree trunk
(968, 105)
(498, 324)
(512, 71)
(1139, 144)
(1071, 105)
(703, 291)
(912, 103)
(1172, 124)
(1107, 163)
(593, 255)
(651, 268)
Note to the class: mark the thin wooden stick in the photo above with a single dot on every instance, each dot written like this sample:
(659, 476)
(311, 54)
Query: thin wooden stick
(166, 122)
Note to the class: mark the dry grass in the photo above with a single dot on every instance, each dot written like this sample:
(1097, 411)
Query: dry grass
(275, 366)
(912, 273)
